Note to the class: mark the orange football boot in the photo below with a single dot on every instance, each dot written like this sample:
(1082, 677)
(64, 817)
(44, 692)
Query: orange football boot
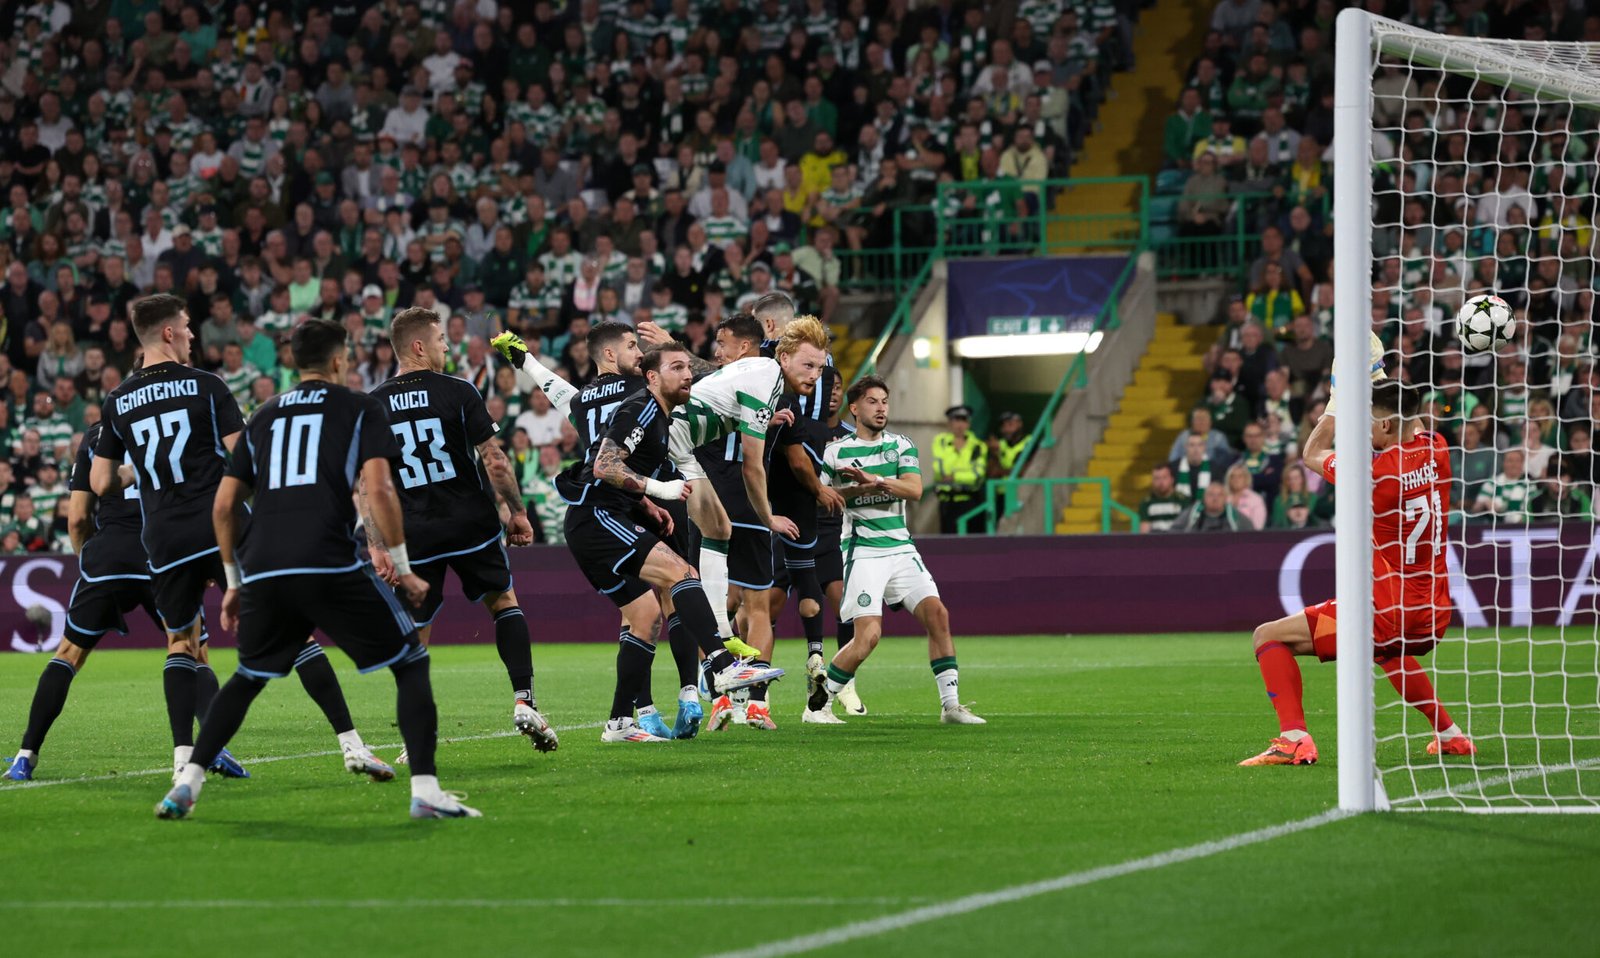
(1460, 745)
(721, 713)
(1283, 751)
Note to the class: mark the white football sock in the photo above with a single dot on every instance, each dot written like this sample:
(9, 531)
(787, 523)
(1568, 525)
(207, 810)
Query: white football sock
(28, 754)
(1295, 734)
(426, 787)
(949, 683)
(533, 374)
(1453, 731)
(714, 579)
(180, 755)
(351, 741)
(193, 776)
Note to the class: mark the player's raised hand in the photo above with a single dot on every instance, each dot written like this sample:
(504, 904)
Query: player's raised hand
(652, 334)
(785, 527)
(383, 566)
(783, 417)
(414, 587)
(230, 610)
(519, 531)
(830, 500)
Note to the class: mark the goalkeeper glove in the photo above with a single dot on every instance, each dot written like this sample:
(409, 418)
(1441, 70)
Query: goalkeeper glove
(1375, 349)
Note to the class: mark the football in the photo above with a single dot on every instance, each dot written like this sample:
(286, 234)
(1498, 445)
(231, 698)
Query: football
(1485, 323)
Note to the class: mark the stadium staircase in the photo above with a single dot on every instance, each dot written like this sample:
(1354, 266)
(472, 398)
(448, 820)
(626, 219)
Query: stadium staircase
(1127, 137)
(1128, 132)
(1152, 410)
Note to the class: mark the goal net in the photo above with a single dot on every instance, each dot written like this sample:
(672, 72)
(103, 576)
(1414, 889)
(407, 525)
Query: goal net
(1467, 166)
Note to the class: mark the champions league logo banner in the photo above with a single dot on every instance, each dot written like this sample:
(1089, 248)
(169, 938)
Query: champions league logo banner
(1007, 297)
(998, 585)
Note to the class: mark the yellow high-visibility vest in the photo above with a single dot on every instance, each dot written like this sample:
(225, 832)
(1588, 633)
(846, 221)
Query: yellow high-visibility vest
(1009, 451)
(959, 470)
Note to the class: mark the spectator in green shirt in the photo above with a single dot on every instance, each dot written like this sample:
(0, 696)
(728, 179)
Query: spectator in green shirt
(1185, 128)
(1274, 303)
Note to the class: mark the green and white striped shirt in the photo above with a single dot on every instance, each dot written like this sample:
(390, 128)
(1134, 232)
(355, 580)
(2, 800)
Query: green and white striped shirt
(561, 271)
(45, 499)
(1510, 499)
(51, 431)
(671, 317)
(739, 397)
(722, 230)
(874, 526)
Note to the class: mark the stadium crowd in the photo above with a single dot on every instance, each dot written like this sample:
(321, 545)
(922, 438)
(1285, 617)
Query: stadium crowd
(1478, 190)
(537, 166)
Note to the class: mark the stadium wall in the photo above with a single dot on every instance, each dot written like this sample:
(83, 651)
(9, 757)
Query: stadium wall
(1010, 585)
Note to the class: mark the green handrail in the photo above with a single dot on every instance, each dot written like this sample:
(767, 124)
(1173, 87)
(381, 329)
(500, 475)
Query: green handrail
(995, 488)
(901, 317)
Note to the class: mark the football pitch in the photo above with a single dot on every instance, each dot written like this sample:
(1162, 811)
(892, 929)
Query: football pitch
(1099, 813)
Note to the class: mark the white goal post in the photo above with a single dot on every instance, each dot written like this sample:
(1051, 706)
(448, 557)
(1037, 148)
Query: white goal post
(1529, 697)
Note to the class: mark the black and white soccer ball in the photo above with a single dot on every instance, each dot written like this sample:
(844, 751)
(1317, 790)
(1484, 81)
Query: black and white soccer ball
(1485, 323)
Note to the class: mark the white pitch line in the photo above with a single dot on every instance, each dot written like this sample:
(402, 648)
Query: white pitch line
(483, 903)
(960, 906)
(145, 772)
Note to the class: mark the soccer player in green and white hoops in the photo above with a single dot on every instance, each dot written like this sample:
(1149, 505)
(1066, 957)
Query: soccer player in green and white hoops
(877, 473)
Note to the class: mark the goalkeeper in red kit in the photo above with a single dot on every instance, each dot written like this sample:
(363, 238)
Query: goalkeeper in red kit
(1410, 589)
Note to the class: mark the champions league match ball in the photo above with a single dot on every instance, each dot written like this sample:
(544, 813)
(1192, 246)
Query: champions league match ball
(1485, 323)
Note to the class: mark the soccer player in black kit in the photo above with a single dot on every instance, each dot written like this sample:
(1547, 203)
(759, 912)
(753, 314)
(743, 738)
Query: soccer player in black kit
(175, 425)
(614, 348)
(113, 580)
(605, 533)
(293, 562)
(444, 431)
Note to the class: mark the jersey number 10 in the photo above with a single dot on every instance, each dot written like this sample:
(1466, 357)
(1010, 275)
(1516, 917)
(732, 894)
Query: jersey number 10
(420, 466)
(295, 442)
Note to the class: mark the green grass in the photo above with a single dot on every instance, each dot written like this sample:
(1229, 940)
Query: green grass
(1100, 750)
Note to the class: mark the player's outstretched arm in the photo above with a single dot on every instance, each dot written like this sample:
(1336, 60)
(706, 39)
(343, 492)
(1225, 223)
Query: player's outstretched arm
(504, 481)
(805, 473)
(754, 473)
(1319, 446)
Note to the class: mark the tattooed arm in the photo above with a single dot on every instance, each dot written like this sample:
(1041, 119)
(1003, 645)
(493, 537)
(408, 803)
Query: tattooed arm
(611, 469)
(653, 337)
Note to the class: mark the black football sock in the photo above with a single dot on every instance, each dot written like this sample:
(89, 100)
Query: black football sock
(758, 693)
(803, 573)
(227, 713)
(178, 682)
(48, 701)
(683, 652)
(847, 632)
(689, 598)
(634, 657)
(316, 675)
(419, 717)
(205, 689)
(511, 641)
(643, 695)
